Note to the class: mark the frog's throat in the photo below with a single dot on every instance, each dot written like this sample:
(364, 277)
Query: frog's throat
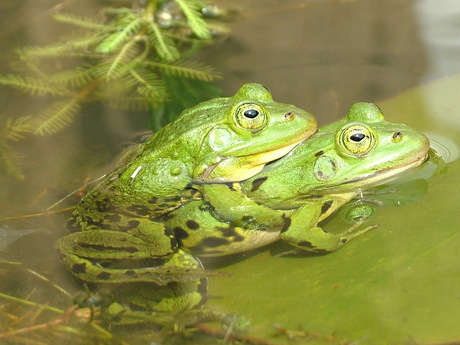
(269, 156)
(232, 169)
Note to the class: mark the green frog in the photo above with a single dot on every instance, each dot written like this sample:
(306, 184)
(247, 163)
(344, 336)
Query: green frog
(292, 195)
(116, 236)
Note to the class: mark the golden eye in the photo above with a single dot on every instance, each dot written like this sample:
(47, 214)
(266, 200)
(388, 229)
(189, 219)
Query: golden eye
(250, 116)
(356, 139)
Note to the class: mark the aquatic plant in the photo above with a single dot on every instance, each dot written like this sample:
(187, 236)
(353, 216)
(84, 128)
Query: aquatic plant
(131, 58)
(23, 320)
(12, 130)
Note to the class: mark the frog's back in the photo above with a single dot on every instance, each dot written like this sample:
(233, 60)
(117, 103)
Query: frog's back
(200, 117)
(103, 208)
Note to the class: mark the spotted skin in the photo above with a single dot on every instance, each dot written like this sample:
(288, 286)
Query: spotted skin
(116, 235)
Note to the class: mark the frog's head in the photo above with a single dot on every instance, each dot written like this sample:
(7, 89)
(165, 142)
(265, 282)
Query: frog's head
(364, 150)
(240, 134)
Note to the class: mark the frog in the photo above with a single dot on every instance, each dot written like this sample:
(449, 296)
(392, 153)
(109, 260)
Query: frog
(116, 237)
(292, 195)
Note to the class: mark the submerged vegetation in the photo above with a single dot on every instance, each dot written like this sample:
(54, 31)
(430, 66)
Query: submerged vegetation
(131, 58)
(24, 320)
(11, 130)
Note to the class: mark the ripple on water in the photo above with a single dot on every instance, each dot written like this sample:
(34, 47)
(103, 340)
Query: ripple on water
(445, 147)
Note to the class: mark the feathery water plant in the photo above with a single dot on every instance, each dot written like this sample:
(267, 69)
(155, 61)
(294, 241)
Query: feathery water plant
(126, 57)
(10, 131)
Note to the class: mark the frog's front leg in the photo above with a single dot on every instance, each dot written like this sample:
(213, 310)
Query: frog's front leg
(229, 203)
(99, 256)
(304, 232)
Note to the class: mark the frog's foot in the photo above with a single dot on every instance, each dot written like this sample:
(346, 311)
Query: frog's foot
(316, 240)
(351, 233)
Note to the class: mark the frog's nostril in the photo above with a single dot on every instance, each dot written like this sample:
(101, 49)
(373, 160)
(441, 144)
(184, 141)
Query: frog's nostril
(289, 116)
(397, 136)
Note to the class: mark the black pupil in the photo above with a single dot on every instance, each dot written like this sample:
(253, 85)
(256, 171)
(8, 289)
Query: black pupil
(357, 137)
(251, 113)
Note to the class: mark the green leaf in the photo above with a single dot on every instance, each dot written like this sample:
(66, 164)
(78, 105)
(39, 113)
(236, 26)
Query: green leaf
(56, 117)
(31, 85)
(117, 87)
(82, 43)
(187, 69)
(192, 11)
(74, 77)
(15, 129)
(83, 22)
(12, 161)
(164, 45)
(33, 52)
(124, 29)
(77, 44)
(148, 83)
(122, 61)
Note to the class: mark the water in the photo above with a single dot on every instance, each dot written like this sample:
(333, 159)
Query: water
(395, 285)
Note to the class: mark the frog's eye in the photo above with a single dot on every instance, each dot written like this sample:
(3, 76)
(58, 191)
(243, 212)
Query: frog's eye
(356, 139)
(250, 116)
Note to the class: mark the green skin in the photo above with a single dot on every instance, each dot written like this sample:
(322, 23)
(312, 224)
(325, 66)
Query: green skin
(291, 196)
(116, 236)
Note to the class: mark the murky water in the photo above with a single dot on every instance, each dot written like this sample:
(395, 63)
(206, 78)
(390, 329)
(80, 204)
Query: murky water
(395, 285)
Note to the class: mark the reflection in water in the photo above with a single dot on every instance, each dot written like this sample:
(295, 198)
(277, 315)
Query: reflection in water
(9, 234)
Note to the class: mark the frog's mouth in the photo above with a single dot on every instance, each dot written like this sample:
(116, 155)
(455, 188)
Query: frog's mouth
(378, 177)
(231, 169)
(389, 174)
